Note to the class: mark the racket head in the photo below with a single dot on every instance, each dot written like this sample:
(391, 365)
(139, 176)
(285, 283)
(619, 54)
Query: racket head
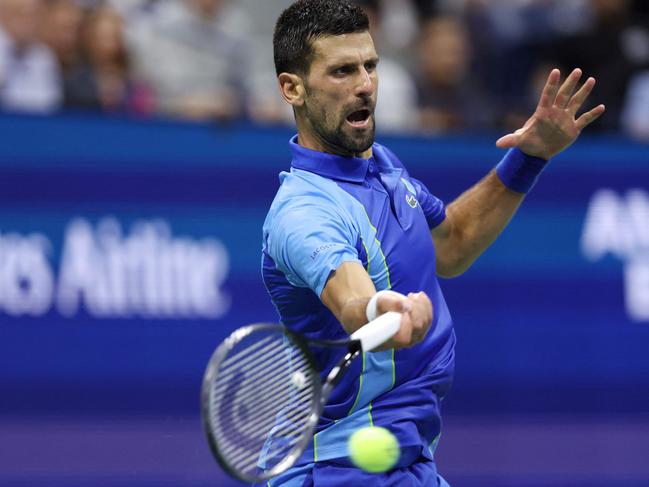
(260, 401)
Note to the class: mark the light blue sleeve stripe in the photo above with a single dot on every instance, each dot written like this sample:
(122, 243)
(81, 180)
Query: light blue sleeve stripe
(313, 227)
(308, 231)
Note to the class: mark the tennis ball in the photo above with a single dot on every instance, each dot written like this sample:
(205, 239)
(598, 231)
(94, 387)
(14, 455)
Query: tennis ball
(373, 449)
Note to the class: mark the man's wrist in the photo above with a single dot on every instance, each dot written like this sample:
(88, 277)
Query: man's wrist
(371, 310)
(519, 171)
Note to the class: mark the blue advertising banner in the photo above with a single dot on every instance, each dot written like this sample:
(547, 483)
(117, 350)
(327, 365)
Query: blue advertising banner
(129, 250)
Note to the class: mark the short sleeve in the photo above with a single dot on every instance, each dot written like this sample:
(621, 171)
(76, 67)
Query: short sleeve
(434, 208)
(310, 241)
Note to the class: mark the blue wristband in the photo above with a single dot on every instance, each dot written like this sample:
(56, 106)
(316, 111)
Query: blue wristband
(518, 171)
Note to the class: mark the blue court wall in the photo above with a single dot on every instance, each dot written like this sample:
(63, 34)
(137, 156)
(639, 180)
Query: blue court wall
(129, 249)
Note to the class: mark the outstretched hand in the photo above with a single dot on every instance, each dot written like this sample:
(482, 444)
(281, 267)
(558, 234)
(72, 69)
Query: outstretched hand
(554, 125)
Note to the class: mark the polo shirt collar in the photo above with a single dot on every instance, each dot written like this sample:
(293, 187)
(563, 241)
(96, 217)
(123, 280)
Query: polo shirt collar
(332, 166)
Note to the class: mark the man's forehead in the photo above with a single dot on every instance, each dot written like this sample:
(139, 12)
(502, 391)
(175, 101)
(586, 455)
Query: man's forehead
(344, 48)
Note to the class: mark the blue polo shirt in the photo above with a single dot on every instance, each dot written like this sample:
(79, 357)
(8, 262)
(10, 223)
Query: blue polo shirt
(330, 210)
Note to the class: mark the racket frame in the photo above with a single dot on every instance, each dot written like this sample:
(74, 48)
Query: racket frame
(386, 326)
(221, 353)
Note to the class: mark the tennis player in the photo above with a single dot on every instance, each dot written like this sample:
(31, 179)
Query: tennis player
(349, 221)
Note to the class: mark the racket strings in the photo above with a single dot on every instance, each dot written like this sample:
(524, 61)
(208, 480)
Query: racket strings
(253, 371)
(267, 405)
(261, 399)
(244, 357)
(261, 421)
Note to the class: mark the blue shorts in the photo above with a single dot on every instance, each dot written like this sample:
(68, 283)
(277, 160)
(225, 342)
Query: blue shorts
(325, 474)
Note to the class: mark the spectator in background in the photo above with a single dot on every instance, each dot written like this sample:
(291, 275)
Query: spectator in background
(90, 48)
(635, 113)
(427, 8)
(264, 103)
(29, 74)
(508, 37)
(62, 32)
(614, 49)
(397, 93)
(192, 57)
(126, 7)
(450, 100)
(114, 89)
(641, 7)
(635, 116)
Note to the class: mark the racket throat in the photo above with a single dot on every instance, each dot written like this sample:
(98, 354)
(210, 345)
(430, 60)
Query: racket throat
(337, 373)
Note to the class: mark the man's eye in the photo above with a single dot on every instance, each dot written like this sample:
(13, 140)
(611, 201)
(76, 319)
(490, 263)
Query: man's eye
(342, 71)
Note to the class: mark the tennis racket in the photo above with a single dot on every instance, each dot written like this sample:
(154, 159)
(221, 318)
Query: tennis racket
(261, 396)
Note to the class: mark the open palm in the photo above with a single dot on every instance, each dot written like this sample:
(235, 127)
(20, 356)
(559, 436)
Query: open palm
(554, 125)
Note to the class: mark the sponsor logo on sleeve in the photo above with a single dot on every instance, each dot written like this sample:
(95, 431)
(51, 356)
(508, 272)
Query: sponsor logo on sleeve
(320, 249)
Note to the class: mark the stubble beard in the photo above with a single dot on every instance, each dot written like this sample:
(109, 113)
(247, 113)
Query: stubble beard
(335, 136)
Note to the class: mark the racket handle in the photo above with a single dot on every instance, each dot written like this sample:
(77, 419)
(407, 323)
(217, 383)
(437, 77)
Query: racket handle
(378, 331)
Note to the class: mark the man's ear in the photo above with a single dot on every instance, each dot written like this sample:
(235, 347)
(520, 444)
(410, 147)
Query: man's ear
(292, 88)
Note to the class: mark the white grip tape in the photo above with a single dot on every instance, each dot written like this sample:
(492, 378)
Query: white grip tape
(378, 331)
(370, 310)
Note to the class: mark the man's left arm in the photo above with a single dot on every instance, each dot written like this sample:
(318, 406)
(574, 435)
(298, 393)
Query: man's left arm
(476, 218)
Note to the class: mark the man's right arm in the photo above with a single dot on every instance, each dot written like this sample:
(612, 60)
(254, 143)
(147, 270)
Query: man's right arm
(349, 290)
(313, 247)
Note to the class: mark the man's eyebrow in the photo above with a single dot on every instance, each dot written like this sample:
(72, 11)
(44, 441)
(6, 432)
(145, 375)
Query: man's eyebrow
(352, 62)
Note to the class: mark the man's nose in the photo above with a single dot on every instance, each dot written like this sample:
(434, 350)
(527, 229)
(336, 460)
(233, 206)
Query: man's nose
(365, 83)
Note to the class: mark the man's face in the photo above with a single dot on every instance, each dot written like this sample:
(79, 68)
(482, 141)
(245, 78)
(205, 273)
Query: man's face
(340, 93)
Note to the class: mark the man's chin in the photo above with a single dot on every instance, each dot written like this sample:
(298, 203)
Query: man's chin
(359, 140)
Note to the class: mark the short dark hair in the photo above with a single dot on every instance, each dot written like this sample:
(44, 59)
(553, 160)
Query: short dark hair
(307, 20)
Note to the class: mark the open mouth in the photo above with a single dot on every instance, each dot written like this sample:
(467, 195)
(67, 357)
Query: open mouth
(359, 118)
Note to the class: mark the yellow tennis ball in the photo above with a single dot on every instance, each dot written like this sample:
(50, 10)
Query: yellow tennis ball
(374, 449)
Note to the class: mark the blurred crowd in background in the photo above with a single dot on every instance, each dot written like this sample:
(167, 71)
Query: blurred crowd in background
(447, 66)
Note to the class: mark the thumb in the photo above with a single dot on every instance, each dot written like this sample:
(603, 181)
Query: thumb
(507, 141)
(392, 301)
